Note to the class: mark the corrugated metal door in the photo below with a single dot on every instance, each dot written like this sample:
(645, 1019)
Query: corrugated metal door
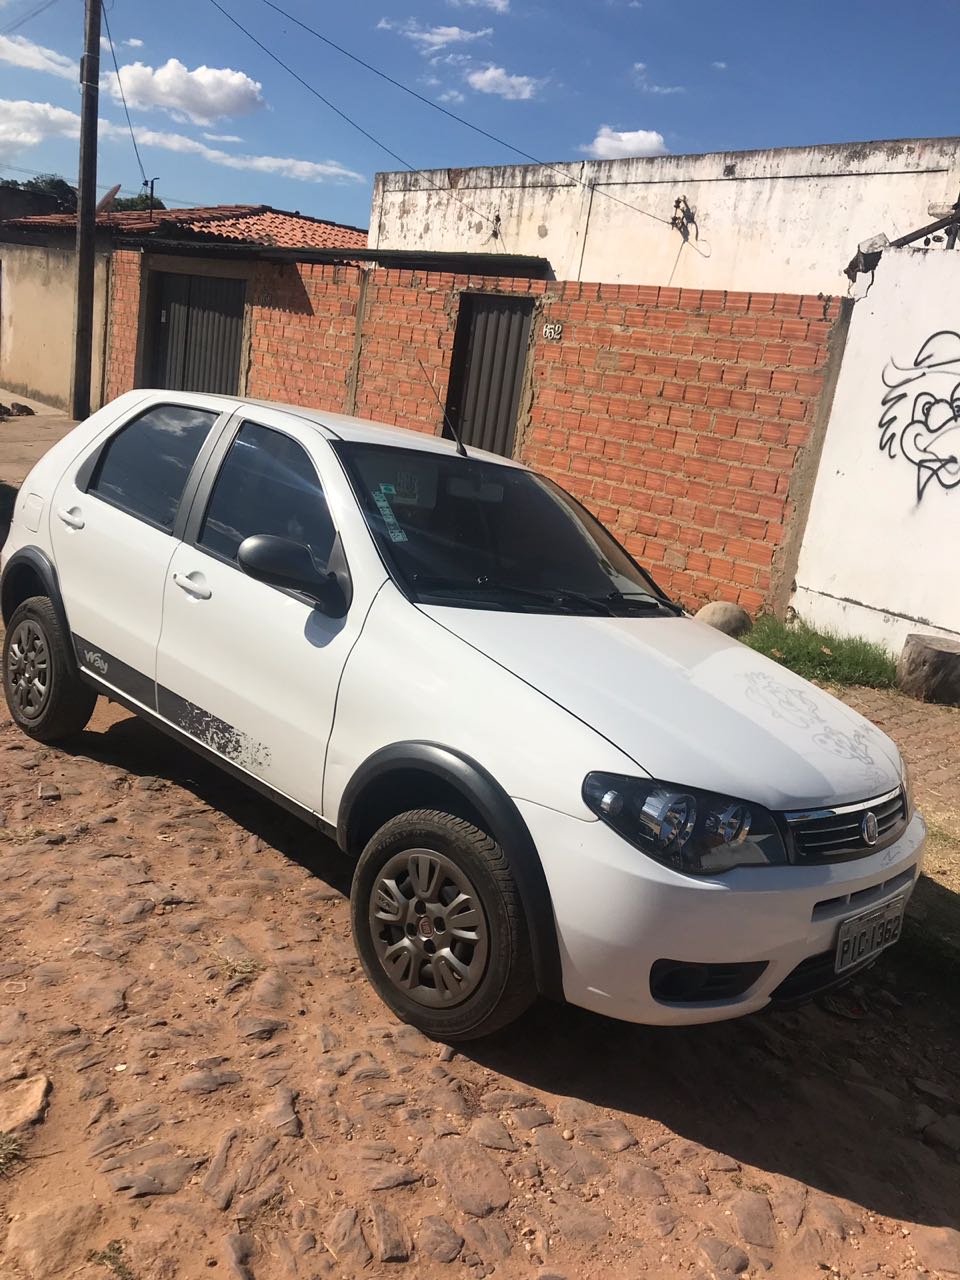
(198, 333)
(486, 375)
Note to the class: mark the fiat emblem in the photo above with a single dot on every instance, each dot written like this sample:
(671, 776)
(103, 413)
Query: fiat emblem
(869, 829)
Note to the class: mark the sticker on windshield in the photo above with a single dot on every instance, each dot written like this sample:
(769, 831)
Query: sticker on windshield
(394, 532)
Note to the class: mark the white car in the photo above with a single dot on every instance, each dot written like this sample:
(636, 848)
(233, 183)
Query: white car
(550, 778)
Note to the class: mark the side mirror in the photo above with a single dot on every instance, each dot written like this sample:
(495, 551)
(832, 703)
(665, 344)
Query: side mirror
(281, 562)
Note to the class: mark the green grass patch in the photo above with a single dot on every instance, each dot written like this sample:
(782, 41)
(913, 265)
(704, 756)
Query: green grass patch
(822, 655)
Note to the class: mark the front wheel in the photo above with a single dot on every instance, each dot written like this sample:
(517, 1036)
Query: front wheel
(440, 928)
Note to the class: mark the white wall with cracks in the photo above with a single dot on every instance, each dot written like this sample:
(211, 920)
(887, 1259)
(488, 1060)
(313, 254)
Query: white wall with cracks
(881, 551)
(780, 221)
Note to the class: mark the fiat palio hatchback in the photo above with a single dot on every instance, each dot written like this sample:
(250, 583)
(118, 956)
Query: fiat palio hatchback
(550, 778)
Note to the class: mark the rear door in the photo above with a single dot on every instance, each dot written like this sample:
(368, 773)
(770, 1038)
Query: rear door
(248, 670)
(113, 528)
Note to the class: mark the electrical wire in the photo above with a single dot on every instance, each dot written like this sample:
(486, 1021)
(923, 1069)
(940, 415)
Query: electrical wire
(123, 99)
(348, 119)
(27, 17)
(104, 186)
(452, 115)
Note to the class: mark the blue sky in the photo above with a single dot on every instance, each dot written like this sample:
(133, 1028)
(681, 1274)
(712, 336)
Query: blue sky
(219, 122)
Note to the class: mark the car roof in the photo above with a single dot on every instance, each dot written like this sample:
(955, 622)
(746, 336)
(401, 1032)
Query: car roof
(336, 426)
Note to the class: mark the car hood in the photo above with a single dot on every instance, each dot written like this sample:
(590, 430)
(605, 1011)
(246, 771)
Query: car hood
(690, 705)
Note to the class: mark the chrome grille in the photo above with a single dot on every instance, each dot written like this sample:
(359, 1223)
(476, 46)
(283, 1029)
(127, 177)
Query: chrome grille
(822, 835)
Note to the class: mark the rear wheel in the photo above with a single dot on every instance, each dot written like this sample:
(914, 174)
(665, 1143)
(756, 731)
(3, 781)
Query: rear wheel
(46, 697)
(439, 926)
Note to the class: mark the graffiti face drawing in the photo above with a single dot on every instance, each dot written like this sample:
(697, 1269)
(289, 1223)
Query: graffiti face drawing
(920, 418)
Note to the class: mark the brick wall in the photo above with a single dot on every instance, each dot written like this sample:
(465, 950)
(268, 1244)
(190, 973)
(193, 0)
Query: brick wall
(124, 318)
(680, 417)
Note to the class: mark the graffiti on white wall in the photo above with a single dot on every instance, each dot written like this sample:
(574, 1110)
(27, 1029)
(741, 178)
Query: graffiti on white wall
(920, 412)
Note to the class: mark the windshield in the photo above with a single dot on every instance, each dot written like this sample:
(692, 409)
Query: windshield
(473, 533)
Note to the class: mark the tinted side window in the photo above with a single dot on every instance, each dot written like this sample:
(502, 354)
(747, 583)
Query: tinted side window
(143, 468)
(267, 484)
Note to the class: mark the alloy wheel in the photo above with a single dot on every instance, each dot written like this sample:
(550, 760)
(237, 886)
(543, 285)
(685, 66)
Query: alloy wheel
(28, 669)
(428, 928)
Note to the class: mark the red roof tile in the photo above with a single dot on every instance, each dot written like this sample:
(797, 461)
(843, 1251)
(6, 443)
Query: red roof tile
(240, 223)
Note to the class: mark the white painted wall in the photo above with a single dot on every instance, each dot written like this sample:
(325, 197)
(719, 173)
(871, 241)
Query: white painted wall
(787, 220)
(881, 552)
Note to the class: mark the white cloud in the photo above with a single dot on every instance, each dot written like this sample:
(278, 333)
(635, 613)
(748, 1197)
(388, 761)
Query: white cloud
(451, 95)
(133, 43)
(26, 124)
(719, 66)
(18, 51)
(223, 137)
(203, 95)
(615, 144)
(498, 6)
(495, 80)
(647, 85)
(430, 40)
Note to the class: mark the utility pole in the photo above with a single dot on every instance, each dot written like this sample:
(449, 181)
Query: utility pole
(86, 209)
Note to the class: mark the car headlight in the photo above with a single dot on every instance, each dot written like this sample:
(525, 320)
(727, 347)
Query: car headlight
(697, 832)
(906, 781)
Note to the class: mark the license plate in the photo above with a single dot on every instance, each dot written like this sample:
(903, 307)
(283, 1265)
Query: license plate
(863, 936)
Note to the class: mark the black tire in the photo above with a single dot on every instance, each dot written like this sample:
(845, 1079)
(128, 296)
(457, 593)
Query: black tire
(499, 982)
(66, 703)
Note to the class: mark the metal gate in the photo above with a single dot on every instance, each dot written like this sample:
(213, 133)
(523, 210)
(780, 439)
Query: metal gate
(486, 374)
(197, 333)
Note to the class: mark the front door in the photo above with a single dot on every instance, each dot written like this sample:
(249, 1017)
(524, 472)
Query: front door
(197, 333)
(112, 527)
(249, 670)
(486, 375)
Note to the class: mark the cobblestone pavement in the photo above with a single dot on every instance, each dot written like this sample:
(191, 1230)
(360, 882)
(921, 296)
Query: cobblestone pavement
(205, 1084)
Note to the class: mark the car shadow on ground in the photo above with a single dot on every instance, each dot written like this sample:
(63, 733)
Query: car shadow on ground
(803, 1094)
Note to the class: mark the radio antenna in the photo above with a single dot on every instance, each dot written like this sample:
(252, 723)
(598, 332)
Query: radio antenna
(446, 417)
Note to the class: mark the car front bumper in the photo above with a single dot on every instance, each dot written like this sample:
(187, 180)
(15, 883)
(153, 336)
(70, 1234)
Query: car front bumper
(618, 912)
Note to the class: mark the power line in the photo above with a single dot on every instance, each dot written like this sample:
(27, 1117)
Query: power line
(33, 13)
(452, 115)
(348, 119)
(123, 99)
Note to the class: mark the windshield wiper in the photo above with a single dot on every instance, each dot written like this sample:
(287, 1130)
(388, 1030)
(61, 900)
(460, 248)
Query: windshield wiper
(644, 600)
(560, 596)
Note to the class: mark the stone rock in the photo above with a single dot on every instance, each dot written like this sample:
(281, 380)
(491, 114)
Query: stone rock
(281, 1113)
(386, 1236)
(47, 791)
(344, 1238)
(271, 989)
(788, 1205)
(207, 1081)
(161, 1178)
(725, 1258)
(640, 1182)
(576, 1221)
(610, 1135)
(532, 1117)
(830, 1219)
(934, 1091)
(489, 1132)
(754, 1218)
(488, 1239)
(929, 669)
(23, 1104)
(506, 1100)
(945, 1133)
(49, 1243)
(378, 1175)
(572, 1162)
(437, 1239)
(923, 1118)
(238, 1250)
(938, 1248)
(663, 1219)
(474, 1183)
(731, 619)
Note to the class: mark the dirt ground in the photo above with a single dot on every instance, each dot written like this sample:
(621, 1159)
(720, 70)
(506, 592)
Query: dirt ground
(228, 1097)
(205, 1085)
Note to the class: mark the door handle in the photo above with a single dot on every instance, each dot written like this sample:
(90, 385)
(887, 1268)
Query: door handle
(193, 584)
(71, 517)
